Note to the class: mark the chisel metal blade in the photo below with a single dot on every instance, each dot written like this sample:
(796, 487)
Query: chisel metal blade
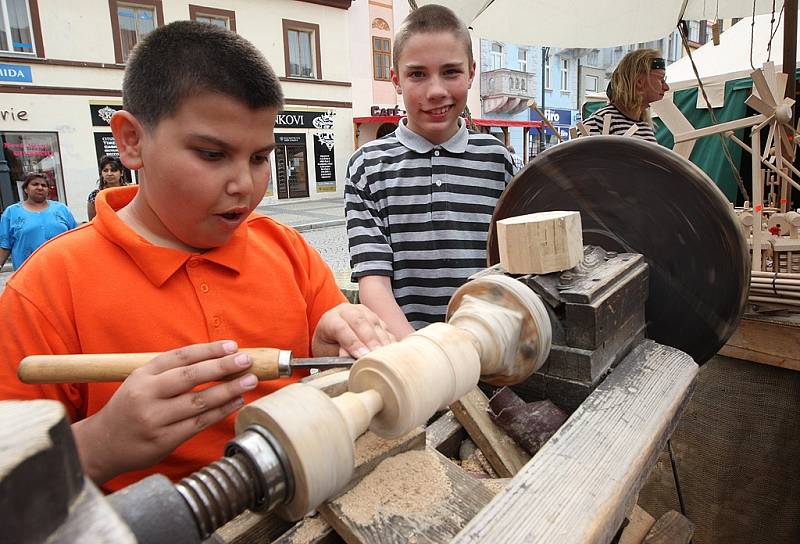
(322, 362)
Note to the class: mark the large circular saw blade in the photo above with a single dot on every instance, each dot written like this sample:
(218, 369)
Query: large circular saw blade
(637, 197)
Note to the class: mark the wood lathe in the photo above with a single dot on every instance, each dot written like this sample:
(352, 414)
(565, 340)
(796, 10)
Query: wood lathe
(554, 329)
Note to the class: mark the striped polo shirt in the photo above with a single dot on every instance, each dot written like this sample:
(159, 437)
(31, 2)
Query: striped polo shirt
(420, 214)
(619, 124)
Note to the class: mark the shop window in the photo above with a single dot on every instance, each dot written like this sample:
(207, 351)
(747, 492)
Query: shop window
(291, 165)
(381, 58)
(222, 18)
(592, 83)
(301, 49)
(19, 27)
(131, 22)
(27, 152)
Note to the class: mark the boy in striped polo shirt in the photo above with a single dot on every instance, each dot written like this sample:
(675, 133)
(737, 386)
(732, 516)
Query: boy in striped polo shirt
(420, 200)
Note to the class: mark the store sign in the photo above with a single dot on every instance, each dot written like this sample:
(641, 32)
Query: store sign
(105, 144)
(561, 119)
(321, 120)
(290, 139)
(323, 162)
(381, 111)
(101, 113)
(16, 72)
(12, 115)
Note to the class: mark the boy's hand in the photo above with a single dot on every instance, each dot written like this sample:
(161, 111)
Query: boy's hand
(155, 409)
(349, 329)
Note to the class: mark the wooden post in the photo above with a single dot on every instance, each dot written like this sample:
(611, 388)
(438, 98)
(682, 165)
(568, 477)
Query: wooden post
(540, 243)
(758, 197)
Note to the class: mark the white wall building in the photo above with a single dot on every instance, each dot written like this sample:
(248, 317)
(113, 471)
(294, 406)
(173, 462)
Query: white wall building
(61, 68)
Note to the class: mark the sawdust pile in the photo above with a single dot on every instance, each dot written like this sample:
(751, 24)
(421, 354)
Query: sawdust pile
(309, 530)
(410, 484)
(370, 445)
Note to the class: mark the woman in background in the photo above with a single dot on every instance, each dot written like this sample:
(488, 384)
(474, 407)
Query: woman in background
(26, 225)
(111, 175)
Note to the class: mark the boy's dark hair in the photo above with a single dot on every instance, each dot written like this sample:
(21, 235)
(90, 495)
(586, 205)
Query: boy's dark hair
(430, 18)
(184, 58)
(29, 177)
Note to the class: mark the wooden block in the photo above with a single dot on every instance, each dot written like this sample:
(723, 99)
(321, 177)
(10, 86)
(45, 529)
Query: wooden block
(671, 528)
(250, 527)
(309, 530)
(445, 435)
(540, 243)
(417, 496)
(580, 486)
(769, 341)
(502, 452)
(639, 523)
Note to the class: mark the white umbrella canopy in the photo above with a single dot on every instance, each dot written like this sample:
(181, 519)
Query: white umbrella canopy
(591, 23)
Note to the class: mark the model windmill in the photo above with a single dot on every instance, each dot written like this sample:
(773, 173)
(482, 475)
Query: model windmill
(774, 111)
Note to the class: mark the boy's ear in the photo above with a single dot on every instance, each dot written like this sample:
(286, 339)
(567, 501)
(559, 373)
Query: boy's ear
(395, 81)
(128, 133)
(471, 74)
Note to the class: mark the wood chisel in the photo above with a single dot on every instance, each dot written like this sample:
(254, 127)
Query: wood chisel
(268, 364)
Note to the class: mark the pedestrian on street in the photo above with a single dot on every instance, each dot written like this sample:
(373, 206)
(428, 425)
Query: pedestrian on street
(515, 160)
(419, 201)
(179, 265)
(26, 225)
(638, 81)
(112, 174)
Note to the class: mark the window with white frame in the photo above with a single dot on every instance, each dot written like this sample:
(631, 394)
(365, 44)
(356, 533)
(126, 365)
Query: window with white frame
(522, 60)
(301, 45)
(133, 21)
(16, 34)
(693, 31)
(222, 18)
(592, 83)
(497, 56)
(564, 74)
(547, 72)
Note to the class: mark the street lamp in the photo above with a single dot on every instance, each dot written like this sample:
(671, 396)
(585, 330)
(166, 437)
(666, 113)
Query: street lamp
(545, 59)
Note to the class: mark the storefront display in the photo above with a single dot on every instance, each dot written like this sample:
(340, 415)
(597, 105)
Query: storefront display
(27, 152)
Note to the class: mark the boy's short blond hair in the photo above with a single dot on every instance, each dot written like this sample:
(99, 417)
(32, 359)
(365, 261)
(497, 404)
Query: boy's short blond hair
(430, 18)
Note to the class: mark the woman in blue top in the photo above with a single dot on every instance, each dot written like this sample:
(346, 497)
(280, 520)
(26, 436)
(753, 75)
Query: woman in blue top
(28, 224)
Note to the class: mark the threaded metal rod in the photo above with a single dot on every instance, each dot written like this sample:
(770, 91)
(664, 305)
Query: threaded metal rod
(253, 475)
(219, 492)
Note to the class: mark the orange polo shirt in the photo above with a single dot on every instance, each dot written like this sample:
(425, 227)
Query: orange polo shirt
(102, 288)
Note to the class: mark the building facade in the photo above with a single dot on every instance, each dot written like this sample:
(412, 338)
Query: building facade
(61, 70)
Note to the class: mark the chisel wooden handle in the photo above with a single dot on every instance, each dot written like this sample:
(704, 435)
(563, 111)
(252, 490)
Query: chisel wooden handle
(268, 364)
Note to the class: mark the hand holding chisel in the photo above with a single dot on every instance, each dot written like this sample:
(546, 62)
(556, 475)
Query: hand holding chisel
(268, 364)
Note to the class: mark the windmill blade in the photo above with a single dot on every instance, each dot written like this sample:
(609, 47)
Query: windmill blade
(675, 121)
(759, 105)
(782, 79)
(771, 77)
(762, 87)
(768, 143)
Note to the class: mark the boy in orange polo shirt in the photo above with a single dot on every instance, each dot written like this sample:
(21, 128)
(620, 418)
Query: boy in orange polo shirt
(178, 262)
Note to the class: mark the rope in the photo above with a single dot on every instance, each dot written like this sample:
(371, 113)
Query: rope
(726, 151)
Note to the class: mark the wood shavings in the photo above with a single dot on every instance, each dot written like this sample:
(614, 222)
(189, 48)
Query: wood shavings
(410, 484)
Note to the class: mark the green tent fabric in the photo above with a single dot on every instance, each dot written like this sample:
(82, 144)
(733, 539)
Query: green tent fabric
(707, 152)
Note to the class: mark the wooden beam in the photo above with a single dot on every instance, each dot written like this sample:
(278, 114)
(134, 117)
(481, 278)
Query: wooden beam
(502, 452)
(445, 435)
(580, 486)
(768, 341)
(309, 530)
(721, 127)
(417, 496)
(671, 528)
(639, 524)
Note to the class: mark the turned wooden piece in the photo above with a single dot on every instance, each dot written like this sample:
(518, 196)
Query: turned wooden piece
(540, 243)
(317, 435)
(497, 330)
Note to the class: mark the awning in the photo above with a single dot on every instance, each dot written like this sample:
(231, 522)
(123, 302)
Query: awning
(479, 122)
